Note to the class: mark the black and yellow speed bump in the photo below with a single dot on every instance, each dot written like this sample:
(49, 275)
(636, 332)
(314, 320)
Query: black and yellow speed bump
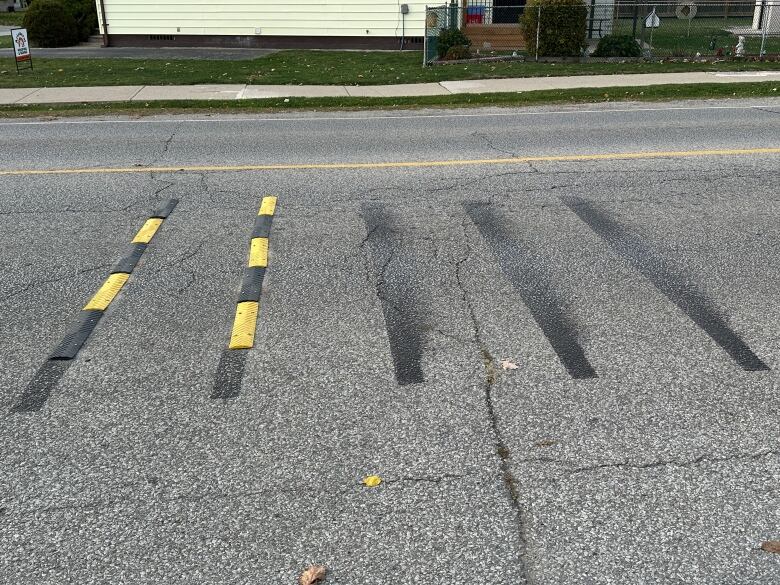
(76, 335)
(245, 322)
(81, 329)
(230, 371)
(128, 263)
(48, 375)
(252, 284)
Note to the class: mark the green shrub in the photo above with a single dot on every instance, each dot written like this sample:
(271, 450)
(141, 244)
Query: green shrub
(562, 27)
(85, 14)
(51, 24)
(451, 37)
(457, 52)
(618, 46)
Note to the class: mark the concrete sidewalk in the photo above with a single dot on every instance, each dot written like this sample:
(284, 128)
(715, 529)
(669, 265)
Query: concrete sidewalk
(140, 93)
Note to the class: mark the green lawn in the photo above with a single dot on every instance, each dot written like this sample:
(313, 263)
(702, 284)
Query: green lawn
(674, 39)
(312, 67)
(5, 43)
(11, 18)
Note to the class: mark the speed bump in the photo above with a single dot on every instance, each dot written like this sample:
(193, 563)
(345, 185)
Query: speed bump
(268, 206)
(76, 335)
(119, 274)
(244, 325)
(107, 292)
(258, 252)
(40, 388)
(146, 233)
(248, 306)
(252, 284)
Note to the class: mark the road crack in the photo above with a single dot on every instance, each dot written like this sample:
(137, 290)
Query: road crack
(34, 283)
(486, 139)
(489, 381)
(182, 264)
(702, 459)
(437, 479)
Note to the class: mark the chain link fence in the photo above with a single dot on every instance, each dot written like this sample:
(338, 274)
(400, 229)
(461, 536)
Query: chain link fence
(682, 29)
(438, 19)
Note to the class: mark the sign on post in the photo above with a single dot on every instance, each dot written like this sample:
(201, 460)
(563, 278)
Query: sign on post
(21, 48)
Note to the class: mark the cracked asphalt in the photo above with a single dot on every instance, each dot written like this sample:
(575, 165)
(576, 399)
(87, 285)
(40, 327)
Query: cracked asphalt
(393, 296)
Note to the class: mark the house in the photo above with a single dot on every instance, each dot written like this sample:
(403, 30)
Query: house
(354, 24)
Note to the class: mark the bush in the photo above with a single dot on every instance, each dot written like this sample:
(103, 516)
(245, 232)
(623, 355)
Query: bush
(457, 52)
(562, 27)
(51, 24)
(451, 37)
(85, 14)
(618, 46)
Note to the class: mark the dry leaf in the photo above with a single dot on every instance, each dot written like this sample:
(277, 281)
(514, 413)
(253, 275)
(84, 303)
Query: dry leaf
(312, 575)
(507, 365)
(772, 546)
(372, 481)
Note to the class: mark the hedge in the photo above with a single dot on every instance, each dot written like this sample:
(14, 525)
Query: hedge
(562, 27)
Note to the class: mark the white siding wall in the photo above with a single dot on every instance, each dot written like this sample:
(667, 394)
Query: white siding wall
(381, 18)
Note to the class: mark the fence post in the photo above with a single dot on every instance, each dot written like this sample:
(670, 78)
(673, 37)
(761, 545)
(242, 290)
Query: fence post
(652, 30)
(425, 39)
(453, 15)
(538, 28)
(764, 26)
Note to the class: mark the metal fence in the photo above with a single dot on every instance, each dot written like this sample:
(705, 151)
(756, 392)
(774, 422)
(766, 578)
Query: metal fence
(681, 29)
(437, 19)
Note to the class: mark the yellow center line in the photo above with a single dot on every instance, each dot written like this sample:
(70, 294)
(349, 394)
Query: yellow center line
(400, 164)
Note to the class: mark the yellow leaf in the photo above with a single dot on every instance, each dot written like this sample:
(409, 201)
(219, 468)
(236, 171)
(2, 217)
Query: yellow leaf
(372, 481)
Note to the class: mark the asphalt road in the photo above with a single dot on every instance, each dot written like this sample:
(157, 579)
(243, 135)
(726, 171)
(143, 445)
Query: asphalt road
(636, 441)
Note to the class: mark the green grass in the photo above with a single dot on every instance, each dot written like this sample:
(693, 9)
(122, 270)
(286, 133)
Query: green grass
(674, 39)
(11, 18)
(573, 96)
(5, 43)
(313, 67)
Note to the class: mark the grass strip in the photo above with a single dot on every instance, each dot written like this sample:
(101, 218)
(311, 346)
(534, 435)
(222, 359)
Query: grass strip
(318, 68)
(11, 18)
(711, 91)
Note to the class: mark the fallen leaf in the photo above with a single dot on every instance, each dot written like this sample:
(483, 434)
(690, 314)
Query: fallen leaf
(507, 365)
(372, 481)
(312, 575)
(772, 546)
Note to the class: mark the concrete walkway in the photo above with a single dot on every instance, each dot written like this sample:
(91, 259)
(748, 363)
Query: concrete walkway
(141, 93)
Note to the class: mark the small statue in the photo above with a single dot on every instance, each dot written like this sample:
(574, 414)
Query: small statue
(740, 51)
